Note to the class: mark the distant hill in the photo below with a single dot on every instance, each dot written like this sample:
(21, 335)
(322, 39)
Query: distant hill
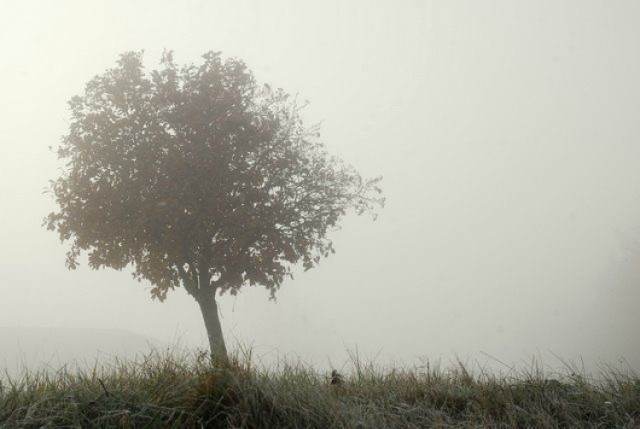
(37, 348)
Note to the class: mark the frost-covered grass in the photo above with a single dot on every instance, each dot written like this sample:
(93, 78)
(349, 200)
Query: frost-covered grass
(180, 389)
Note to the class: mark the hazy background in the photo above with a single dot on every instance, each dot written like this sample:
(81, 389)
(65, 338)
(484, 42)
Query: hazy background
(507, 132)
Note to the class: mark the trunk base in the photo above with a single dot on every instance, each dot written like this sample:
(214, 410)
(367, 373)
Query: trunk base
(209, 309)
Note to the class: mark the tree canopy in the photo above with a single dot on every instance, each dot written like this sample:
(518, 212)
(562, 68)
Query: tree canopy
(197, 176)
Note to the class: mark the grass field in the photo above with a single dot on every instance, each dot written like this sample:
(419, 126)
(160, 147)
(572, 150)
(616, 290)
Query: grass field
(180, 389)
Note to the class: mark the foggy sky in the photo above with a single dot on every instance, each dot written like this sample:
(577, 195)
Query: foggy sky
(507, 132)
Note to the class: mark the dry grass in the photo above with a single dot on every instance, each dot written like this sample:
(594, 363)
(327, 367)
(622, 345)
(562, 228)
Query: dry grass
(177, 389)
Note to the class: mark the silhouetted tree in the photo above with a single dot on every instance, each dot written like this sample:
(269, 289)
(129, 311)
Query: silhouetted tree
(198, 176)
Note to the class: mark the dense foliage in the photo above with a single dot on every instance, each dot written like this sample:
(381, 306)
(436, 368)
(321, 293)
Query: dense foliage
(198, 176)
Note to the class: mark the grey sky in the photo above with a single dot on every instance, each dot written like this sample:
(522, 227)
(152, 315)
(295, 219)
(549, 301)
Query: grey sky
(507, 132)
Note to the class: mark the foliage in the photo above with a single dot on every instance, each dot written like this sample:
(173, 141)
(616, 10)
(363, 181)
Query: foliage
(197, 175)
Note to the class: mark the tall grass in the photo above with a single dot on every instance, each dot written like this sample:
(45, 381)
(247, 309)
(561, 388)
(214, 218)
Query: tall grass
(182, 389)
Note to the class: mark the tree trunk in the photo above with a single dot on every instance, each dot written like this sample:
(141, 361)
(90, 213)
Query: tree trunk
(209, 309)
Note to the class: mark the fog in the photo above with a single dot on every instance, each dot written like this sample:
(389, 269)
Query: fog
(507, 133)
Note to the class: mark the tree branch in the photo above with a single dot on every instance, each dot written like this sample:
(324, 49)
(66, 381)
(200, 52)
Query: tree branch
(187, 283)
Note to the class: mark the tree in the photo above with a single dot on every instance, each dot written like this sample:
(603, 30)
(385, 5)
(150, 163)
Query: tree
(198, 177)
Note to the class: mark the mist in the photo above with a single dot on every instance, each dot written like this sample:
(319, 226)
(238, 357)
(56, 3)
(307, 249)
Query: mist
(507, 134)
